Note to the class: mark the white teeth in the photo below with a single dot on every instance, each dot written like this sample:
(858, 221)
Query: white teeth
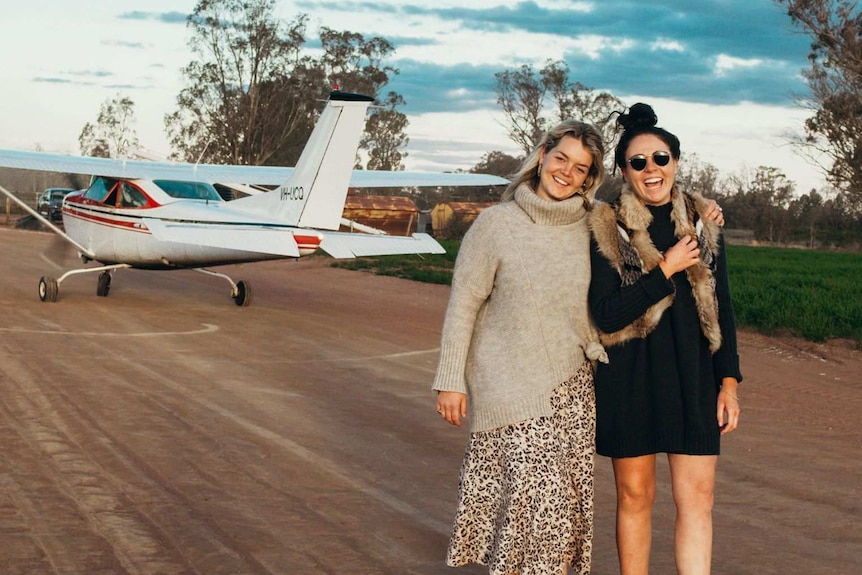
(652, 181)
(561, 182)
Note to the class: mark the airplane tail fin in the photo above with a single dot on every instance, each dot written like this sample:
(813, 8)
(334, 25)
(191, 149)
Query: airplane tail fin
(315, 192)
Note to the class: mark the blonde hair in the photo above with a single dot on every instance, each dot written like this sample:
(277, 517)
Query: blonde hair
(591, 139)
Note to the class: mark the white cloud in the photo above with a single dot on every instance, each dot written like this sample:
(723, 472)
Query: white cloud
(566, 5)
(739, 136)
(593, 46)
(666, 45)
(725, 63)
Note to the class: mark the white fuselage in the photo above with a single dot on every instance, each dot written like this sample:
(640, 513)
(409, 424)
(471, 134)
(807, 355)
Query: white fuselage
(117, 235)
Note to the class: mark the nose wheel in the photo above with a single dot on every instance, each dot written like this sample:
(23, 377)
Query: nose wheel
(49, 289)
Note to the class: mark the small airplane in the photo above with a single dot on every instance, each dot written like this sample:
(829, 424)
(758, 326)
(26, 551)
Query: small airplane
(164, 216)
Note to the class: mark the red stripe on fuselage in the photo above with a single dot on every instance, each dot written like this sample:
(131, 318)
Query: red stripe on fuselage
(303, 242)
(132, 226)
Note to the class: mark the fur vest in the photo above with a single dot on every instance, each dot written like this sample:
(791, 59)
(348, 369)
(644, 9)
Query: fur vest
(620, 231)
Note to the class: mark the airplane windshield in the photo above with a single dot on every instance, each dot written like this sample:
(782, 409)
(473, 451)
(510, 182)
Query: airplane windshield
(99, 188)
(189, 190)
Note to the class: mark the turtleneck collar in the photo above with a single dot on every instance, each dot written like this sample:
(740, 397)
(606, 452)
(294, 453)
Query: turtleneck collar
(547, 213)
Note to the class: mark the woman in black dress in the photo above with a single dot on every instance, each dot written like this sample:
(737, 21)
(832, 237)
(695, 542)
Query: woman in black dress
(659, 296)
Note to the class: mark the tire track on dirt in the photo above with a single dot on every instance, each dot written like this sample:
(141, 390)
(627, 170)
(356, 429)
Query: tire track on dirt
(78, 481)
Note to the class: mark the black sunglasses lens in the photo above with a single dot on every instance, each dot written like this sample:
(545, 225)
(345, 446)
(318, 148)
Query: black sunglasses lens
(661, 158)
(638, 163)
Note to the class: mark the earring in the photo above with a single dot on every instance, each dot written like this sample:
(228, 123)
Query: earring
(539, 169)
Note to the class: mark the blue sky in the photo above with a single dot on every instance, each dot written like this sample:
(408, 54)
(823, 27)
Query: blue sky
(722, 74)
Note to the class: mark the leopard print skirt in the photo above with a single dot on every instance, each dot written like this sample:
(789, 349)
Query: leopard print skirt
(526, 490)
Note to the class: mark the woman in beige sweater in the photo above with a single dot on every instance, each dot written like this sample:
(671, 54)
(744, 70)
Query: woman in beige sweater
(517, 355)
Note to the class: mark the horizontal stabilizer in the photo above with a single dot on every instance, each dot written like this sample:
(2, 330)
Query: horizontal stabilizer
(244, 238)
(348, 245)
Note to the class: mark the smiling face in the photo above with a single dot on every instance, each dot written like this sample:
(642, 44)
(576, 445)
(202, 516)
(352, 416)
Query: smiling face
(654, 183)
(563, 169)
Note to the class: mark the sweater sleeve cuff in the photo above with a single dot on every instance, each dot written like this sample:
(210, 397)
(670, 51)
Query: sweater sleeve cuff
(451, 370)
(726, 365)
(656, 285)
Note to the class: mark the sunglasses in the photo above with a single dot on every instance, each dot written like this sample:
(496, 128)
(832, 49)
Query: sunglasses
(638, 163)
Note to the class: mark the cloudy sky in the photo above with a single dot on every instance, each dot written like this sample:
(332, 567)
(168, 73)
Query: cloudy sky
(722, 74)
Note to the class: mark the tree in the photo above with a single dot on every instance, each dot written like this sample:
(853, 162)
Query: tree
(835, 81)
(697, 176)
(759, 200)
(498, 164)
(252, 94)
(526, 96)
(384, 136)
(522, 96)
(356, 64)
(249, 91)
(807, 211)
(112, 136)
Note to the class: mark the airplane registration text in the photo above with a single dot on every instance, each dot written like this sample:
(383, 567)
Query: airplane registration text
(292, 193)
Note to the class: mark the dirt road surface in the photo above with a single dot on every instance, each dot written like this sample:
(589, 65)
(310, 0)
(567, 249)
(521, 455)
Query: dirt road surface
(164, 430)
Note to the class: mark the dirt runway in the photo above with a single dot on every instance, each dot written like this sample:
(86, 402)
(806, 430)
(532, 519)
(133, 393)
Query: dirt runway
(164, 430)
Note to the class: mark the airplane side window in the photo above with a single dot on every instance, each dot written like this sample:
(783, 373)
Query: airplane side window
(131, 197)
(189, 190)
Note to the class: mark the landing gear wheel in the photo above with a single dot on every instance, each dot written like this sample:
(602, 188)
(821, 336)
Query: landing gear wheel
(48, 289)
(104, 284)
(241, 294)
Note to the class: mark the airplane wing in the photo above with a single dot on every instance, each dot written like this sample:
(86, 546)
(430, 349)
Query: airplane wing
(228, 174)
(348, 245)
(277, 241)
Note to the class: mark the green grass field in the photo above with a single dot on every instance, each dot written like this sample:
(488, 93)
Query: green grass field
(436, 269)
(814, 295)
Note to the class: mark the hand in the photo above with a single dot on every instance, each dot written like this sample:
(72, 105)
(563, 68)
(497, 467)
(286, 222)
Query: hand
(452, 406)
(728, 406)
(714, 212)
(684, 254)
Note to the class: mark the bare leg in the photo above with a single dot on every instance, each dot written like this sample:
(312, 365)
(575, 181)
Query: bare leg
(693, 479)
(635, 481)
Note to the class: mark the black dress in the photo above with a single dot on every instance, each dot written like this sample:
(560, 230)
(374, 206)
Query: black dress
(658, 394)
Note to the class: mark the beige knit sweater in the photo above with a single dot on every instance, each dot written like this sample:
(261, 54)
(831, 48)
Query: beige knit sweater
(517, 324)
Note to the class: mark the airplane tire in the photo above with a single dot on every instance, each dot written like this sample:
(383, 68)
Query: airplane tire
(104, 284)
(48, 289)
(242, 295)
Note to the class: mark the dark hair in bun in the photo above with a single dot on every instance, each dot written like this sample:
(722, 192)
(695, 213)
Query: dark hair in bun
(641, 119)
(640, 116)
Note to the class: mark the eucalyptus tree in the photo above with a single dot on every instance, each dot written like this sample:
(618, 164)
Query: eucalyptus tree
(254, 90)
(384, 137)
(358, 64)
(246, 91)
(695, 175)
(535, 100)
(113, 135)
(759, 200)
(835, 82)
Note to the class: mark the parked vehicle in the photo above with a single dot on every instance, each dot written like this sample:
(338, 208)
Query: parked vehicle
(50, 203)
